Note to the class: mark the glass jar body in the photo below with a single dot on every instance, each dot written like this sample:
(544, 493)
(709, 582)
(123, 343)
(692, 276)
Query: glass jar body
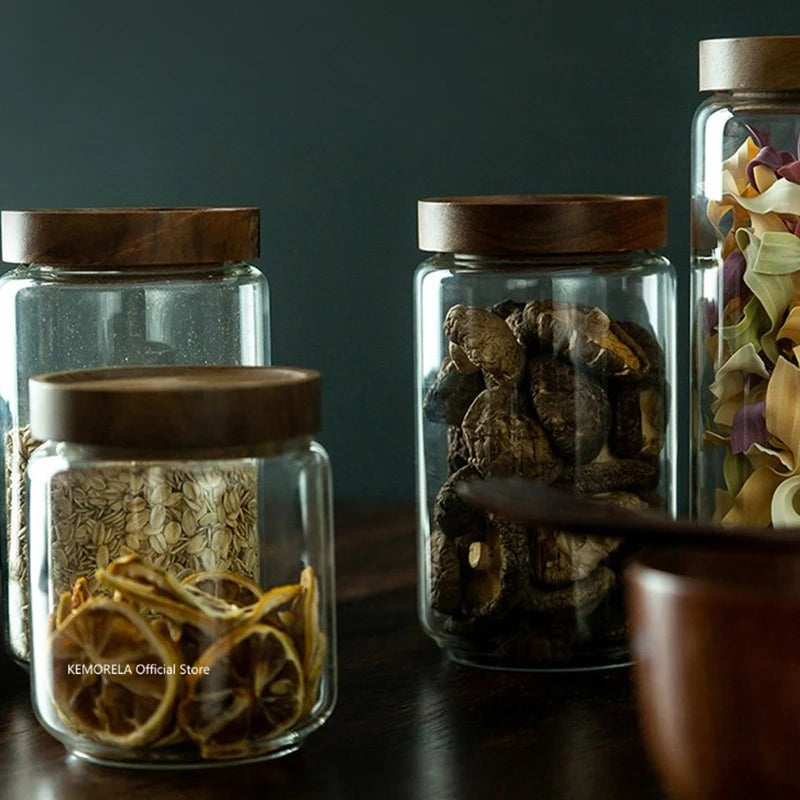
(56, 319)
(584, 401)
(745, 251)
(182, 610)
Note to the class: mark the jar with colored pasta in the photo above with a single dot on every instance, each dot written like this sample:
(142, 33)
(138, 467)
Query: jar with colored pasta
(180, 533)
(746, 283)
(544, 350)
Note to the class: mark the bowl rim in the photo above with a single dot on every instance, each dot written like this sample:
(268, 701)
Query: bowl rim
(649, 570)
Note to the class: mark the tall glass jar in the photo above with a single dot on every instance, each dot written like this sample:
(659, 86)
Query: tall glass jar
(544, 349)
(746, 283)
(112, 287)
(181, 538)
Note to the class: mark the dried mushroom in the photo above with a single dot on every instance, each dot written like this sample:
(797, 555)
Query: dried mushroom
(486, 341)
(445, 574)
(637, 431)
(457, 450)
(451, 394)
(609, 474)
(651, 405)
(573, 408)
(646, 341)
(554, 391)
(559, 557)
(450, 513)
(587, 336)
(502, 440)
(581, 597)
(461, 360)
(498, 569)
(506, 307)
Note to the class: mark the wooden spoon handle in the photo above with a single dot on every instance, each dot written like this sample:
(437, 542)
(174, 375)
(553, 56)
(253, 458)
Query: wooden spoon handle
(536, 504)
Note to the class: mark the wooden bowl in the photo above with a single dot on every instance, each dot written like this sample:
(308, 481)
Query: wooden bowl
(716, 638)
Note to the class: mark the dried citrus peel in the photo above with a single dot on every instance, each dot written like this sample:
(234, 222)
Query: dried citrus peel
(241, 689)
(235, 589)
(253, 690)
(121, 706)
(272, 600)
(160, 591)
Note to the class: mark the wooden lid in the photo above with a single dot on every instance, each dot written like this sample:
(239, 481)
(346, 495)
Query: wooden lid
(541, 224)
(176, 408)
(129, 236)
(757, 62)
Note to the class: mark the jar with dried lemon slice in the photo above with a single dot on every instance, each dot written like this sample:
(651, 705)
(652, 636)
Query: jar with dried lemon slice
(167, 658)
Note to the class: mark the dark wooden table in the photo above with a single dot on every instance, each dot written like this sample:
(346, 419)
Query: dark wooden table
(408, 725)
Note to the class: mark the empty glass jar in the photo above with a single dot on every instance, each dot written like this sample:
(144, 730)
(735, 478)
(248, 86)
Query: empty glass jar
(113, 287)
(181, 549)
(544, 349)
(746, 283)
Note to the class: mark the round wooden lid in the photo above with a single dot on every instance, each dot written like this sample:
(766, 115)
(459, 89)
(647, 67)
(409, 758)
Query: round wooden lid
(129, 236)
(541, 224)
(756, 62)
(176, 408)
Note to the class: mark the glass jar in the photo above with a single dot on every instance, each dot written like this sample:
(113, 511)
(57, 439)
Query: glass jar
(180, 533)
(746, 283)
(114, 287)
(544, 349)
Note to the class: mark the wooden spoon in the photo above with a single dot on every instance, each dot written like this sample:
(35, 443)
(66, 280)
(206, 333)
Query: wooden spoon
(533, 503)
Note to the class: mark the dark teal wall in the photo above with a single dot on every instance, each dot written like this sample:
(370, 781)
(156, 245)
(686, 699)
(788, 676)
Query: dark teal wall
(334, 118)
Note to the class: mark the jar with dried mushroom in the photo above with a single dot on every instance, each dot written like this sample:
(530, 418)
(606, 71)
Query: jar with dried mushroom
(746, 283)
(544, 349)
(113, 287)
(181, 537)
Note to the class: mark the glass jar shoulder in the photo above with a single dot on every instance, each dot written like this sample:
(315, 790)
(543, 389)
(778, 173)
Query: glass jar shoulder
(14, 281)
(443, 265)
(723, 120)
(57, 456)
(43, 276)
(748, 102)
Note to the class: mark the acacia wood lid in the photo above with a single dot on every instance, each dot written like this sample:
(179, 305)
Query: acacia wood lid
(541, 224)
(756, 62)
(175, 408)
(129, 236)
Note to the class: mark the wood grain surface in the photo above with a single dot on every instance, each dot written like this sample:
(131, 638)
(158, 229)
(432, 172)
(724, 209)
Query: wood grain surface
(541, 224)
(408, 724)
(122, 237)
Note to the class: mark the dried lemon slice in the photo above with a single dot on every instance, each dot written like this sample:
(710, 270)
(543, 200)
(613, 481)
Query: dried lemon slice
(253, 690)
(308, 616)
(160, 591)
(269, 603)
(313, 674)
(237, 590)
(69, 602)
(114, 679)
(63, 610)
(311, 641)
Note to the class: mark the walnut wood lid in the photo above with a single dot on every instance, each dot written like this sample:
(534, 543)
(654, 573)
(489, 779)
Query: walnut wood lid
(176, 408)
(757, 62)
(541, 224)
(129, 236)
